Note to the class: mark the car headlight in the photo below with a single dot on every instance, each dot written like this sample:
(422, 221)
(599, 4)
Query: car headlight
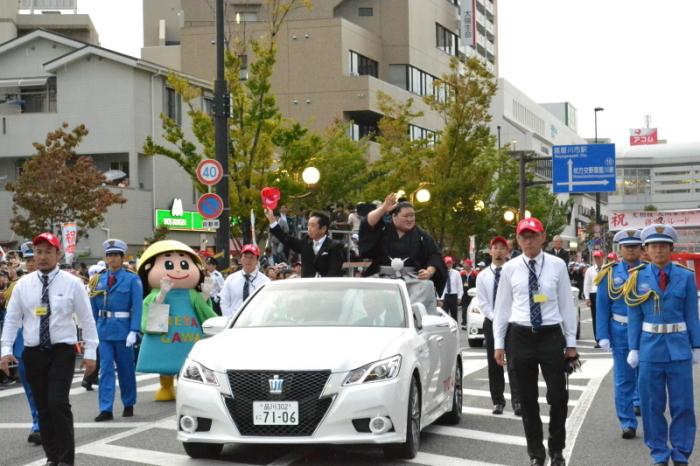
(373, 372)
(194, 371)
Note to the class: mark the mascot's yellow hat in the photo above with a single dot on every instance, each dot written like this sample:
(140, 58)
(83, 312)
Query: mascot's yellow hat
(164, 246)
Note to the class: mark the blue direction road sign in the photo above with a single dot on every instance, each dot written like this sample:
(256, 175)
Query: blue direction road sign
(583, 168)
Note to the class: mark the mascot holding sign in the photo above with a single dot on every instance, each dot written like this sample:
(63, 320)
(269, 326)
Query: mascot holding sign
(173, 310)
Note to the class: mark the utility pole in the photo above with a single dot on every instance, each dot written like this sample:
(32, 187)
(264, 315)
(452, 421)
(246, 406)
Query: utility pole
(222, 107)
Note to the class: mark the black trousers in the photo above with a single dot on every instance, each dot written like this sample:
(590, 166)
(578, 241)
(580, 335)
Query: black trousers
(50, 374)
(449, 304)
(466, 299)
(497, 382)
(593, 311)
(530, 352)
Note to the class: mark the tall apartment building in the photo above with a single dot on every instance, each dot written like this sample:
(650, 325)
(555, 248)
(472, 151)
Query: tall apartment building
(479, 31)
(18, 18)
(333, 59)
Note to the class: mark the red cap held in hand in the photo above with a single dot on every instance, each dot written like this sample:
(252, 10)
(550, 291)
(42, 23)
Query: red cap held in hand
(270, 197)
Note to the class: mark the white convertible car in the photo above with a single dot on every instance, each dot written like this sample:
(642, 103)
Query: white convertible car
(335, 360)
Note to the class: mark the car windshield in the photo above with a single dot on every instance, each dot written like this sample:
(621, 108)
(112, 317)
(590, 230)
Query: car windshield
(322, 304)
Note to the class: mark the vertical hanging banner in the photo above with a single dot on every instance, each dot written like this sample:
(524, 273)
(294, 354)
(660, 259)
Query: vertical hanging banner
(468, 23)
(69, 234)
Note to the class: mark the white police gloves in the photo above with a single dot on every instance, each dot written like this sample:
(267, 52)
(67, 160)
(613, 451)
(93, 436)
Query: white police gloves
(130, 339)
(633, 358)
(605, 344)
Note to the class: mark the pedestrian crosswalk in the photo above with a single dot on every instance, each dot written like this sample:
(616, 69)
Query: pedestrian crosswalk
(481, 438)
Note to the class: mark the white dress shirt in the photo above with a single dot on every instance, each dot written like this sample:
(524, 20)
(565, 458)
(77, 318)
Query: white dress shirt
(232, 294)
(318, 243)
(588, 286)
(455, 285)
(484, 291)
(513, 297)
(67, 297)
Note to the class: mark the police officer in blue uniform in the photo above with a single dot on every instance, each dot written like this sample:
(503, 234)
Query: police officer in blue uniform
(27, 250)
(611, 326)
(116, 303)
(664, 340)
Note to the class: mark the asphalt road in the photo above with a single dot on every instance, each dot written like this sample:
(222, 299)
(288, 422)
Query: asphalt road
(593, 435)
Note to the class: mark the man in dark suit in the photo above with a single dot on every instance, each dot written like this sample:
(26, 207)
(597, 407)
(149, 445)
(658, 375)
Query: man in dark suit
(558, 251)
(320, 255)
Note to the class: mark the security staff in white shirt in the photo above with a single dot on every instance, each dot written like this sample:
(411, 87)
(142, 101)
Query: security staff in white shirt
(453, 292)
(486, 285)
(241, 284)
(534, 297)
(43, 304)
(590, 289)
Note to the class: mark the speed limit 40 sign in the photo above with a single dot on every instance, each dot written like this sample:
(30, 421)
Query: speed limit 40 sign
(209, 172)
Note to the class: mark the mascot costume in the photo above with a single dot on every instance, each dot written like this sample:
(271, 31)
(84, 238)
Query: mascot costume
(176, 303)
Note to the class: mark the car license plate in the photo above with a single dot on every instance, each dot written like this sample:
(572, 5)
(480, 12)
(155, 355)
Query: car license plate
(276, 413)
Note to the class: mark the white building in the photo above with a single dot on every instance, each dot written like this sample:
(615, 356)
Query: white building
(479, 31)
(47, 79)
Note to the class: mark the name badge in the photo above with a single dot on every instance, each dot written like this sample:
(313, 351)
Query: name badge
(540, 298)
(41, 311)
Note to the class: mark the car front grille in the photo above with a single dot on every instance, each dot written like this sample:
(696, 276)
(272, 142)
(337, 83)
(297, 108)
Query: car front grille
(304, 387)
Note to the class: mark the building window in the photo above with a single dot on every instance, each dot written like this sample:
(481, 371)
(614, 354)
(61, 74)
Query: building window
(243, 72)
(173, 106)
(523, 115)
(446, 40)
(362, 130)
(416, 133)
(363, 66)
(208, 104)
(365, 12)
(246, 16)
(33, 99)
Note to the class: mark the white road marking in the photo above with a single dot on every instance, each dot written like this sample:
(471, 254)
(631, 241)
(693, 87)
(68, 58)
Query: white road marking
(80, 425)
(469, 366)
(541, 384)
(139, 378)
(138, 455)
(477, 435)
(506, 415)
(486, 393)
(432, 459)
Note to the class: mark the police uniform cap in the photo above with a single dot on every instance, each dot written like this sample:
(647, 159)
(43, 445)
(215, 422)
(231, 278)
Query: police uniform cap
(114, 245)
(659, 233)
(27, 249)
(628, 237)
(167, 245)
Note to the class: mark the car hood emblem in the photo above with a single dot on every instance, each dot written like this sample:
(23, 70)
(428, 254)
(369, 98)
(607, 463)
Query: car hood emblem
(276, 385)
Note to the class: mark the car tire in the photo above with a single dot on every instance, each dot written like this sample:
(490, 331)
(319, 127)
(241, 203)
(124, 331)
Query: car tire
(453, 416)
(475, 342)
(409, 448)
(202, 450)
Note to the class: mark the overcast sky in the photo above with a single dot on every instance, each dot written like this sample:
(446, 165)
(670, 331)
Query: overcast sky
(631, 57)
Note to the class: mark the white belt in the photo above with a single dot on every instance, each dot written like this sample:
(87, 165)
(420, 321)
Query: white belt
(620, 318)
(116, 314)
(664, 328)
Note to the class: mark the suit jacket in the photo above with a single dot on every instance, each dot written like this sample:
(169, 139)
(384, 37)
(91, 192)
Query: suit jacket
(679, 303)
(562, 254)
(327, 263)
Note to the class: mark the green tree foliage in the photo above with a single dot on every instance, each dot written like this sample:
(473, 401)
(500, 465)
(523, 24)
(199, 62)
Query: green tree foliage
(57, 186)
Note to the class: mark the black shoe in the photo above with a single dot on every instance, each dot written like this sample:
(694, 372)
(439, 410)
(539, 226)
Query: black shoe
(517, 410)
(629, 433)
(596, 345)
(104, 416)
(51, 463)
(498, 409)
(556, 458)
(86, 385)
(536, 461)
(637, 411)
(679, 463)
(128, 411)
(35, 438)
(661, 463)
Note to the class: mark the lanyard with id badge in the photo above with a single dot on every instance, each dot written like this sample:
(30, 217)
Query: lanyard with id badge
(44, 309)
(538, 297)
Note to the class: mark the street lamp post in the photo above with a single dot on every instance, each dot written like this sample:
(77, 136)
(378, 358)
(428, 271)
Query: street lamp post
(595, 129)
(221, 112)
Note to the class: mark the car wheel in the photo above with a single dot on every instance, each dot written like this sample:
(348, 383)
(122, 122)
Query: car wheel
(409, 449)
(475, 342)
(202, 450)
(453, 416)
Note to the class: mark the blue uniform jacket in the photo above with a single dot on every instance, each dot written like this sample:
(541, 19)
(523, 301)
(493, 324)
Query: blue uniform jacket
(679, 303)
(126, 295)
(605, 305)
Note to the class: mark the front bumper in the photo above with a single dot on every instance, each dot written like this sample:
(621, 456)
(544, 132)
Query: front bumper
(386, 398)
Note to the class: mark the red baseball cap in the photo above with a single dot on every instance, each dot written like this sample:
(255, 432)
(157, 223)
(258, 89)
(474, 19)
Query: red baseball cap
(251, 248)
(597, 253)
(448, 260)
(468, 262)
(499, 239)
(612, 256)
(531, 224)
(49, 238)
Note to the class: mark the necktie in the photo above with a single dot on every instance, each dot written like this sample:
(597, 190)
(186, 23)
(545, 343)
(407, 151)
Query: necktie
(246, 286)
(496, 279)
(663, 279)
(533, 287)
(449, 284)
(111, 280)
(44, 332)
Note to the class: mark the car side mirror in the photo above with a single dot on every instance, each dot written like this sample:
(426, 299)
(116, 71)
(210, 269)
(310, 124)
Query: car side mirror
(214, 325)
(418, 310)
